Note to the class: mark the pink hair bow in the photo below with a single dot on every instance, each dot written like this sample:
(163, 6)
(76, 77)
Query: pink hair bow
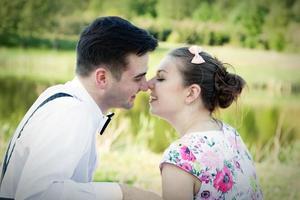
(196, 50)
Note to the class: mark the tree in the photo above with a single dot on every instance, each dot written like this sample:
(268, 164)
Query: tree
(30, 17)
(176, 9)
(143, 7)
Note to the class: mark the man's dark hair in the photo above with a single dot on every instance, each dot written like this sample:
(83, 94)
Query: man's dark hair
(109, 40)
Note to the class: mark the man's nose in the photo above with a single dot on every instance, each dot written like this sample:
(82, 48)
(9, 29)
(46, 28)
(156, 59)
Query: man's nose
(144, 85)
(151, 83)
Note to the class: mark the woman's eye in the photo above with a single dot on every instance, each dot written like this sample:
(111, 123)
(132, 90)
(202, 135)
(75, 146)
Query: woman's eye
(160, 79)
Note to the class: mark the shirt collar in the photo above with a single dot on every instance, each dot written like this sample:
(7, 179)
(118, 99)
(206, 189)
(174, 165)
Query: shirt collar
(82, 94)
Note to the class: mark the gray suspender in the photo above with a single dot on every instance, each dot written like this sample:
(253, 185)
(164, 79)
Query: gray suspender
(7, 154)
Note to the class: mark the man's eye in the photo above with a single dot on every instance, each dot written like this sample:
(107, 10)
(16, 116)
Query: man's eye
(138, 79)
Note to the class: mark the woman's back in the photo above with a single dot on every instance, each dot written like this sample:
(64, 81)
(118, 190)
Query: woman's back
(220, 160)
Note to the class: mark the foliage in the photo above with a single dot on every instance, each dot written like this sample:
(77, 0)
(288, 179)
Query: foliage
(176, 9)
(265, 24)
(126, 8)
(21, 19)
(268, 114)
(262, 127)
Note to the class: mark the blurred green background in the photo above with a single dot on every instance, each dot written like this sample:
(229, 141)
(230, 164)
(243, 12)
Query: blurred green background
(260, 38)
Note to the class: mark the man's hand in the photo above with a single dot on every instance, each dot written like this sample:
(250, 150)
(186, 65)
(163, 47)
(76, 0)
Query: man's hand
(133, 193)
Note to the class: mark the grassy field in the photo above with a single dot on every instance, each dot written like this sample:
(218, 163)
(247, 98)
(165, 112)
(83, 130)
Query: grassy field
(266, 69)
(255, 65)
(139, 167)
(37, 64)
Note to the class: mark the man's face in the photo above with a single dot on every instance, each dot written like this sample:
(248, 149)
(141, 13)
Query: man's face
(123, 92)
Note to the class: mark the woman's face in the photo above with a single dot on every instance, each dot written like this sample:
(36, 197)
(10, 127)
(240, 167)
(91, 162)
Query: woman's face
(167, 90)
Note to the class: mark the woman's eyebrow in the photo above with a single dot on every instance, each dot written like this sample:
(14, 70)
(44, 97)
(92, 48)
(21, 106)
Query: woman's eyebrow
(160, 71)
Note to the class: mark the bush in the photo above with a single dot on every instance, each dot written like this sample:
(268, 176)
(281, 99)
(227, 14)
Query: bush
(277, 41)
(14, 40)
(194, 33)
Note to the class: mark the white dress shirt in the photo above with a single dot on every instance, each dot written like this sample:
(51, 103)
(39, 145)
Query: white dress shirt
(55, 156)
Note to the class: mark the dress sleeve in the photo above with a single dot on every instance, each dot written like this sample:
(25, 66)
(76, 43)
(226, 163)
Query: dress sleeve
(182, 156)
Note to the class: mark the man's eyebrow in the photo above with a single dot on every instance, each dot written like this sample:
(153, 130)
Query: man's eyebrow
(140, 75)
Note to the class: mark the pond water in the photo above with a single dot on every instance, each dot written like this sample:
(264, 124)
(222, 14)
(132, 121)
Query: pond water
(259, 125)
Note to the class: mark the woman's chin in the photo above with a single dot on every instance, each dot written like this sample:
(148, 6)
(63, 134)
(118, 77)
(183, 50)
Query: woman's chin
(153, 111)
(156, 113)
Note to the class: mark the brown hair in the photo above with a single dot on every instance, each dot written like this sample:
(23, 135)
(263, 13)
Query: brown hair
(109, 40)
(219, 88)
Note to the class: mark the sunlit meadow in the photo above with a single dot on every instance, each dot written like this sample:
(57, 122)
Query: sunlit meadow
(130, 151)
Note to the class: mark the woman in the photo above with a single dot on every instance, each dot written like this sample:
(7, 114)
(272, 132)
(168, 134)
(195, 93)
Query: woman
(209, 160)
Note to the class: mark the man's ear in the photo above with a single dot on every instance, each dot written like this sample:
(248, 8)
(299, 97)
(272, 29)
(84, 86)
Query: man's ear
(102, 77)
(193, 92)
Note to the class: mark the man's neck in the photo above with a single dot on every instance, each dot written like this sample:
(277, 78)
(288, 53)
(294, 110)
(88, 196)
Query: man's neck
(91, 89)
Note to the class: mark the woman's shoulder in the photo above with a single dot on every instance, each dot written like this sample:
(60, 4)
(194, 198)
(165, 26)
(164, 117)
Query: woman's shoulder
(181, 153)
(226, 128)
(216, 158)
(203, 140)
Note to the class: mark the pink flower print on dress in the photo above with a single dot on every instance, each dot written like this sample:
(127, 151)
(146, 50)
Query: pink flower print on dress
(186, 166)
(238, 166)
(210, 159)
(205, 194)
(233, 140)
(223, 180)
(205, 177)
(186, 154)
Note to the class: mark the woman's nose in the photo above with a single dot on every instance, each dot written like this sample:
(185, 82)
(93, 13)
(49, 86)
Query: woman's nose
(151, 83)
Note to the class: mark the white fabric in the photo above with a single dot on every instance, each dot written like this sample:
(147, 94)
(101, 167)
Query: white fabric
(55, 157)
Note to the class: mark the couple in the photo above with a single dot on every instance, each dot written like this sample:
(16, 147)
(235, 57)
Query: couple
(52, 154)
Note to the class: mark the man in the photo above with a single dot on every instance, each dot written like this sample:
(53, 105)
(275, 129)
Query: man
(52, 154)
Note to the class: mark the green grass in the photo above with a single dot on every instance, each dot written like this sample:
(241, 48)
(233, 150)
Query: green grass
(37, 64)
(137, 167)
(141, 168)
(258, 65)
(253, 65)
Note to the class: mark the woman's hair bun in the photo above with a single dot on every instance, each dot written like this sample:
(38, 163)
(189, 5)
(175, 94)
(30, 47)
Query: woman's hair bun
(228, 87)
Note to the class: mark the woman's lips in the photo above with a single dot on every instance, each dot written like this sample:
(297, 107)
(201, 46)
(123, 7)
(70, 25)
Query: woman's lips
(152, 98)
(132, 97)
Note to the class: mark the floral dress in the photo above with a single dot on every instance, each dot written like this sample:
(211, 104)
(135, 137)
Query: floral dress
(220, 160)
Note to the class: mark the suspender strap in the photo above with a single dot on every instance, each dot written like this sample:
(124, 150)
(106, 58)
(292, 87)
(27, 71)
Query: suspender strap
(7, 155)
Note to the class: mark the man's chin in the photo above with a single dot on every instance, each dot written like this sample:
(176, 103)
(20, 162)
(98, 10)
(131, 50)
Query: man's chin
(127, 106)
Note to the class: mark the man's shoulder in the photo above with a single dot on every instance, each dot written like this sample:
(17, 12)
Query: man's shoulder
(67, 104)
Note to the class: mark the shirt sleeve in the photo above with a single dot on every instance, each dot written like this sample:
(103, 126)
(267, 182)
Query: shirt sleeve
(82, 191)
(53, 155)
(182, 156)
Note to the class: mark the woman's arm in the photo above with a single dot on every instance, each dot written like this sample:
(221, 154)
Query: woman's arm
(178, 184)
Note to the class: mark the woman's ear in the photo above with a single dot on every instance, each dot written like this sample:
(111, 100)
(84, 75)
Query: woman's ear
(101, 77)
(193, 92)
